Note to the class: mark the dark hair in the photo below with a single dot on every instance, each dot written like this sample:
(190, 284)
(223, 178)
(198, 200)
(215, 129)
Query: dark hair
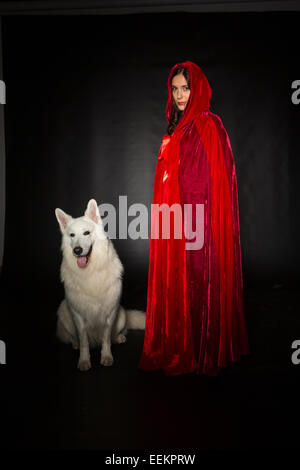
(176, 114)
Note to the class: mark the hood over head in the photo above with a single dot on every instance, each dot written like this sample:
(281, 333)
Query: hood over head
(200, 95)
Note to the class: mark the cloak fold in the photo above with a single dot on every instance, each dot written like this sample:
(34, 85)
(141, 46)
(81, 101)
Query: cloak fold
(195, 311)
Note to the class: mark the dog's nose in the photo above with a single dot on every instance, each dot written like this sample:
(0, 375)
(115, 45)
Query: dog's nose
(77, 250)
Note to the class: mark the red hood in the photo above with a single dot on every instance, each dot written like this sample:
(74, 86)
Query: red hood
(199, 97)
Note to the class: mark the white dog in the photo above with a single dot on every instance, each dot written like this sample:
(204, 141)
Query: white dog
(91, 272)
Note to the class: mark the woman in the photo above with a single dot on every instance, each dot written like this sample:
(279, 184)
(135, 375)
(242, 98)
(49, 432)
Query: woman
(195, 313)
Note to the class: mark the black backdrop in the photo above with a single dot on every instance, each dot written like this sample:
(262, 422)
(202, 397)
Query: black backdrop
(85, 115)
(84, 118)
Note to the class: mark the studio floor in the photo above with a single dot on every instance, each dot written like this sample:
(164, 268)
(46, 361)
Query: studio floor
(49, 404)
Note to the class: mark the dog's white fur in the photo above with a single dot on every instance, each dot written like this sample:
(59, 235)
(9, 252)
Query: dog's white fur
(91, 313)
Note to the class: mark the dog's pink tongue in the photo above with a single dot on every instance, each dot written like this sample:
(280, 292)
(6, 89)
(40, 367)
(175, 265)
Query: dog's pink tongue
(81, 261)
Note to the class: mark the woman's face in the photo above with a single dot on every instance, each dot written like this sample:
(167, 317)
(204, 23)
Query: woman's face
(180, 91)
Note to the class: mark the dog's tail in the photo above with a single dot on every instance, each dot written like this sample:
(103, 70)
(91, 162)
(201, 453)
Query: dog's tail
(135, 319)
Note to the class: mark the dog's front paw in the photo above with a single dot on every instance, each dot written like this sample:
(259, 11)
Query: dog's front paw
(107, 361)
(84, 364)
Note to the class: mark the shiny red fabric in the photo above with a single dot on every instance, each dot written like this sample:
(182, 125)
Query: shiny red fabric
(195, 311)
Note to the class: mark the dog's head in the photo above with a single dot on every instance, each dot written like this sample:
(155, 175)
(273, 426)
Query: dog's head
(81, 233)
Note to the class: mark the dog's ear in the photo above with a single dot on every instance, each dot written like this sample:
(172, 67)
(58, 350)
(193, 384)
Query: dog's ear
(62, 218)
(92, 211)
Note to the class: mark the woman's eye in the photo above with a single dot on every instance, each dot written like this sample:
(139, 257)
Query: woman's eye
(72, 234)
(86, 233)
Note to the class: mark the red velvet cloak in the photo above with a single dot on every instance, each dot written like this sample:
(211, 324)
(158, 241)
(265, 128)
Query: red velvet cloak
(195, 311)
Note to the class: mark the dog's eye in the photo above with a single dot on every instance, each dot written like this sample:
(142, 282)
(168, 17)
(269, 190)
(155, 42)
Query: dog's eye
(86, 233)
(72, 234)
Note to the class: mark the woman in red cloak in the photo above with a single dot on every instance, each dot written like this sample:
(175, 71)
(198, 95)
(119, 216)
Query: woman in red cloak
(195, 311)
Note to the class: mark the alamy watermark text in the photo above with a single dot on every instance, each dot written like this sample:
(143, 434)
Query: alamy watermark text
(2, 92)
(2, 352)
(166, 222)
